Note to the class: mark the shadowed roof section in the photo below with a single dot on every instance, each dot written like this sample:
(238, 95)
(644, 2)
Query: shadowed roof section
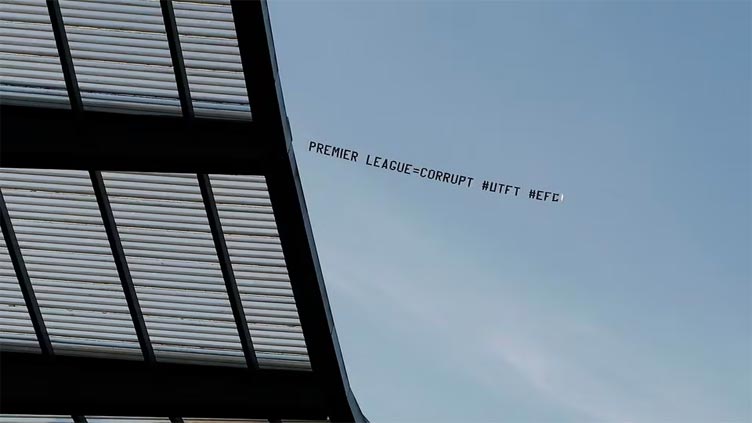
(154, 225)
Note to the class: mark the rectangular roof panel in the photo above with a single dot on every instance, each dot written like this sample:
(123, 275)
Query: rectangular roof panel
(260, 270)
(30, 70)
(121, 56)
(16, 330)
(212, 59)
(173, 262)
(64, 245)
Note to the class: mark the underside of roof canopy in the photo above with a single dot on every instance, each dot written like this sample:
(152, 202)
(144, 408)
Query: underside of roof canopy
(156, 257)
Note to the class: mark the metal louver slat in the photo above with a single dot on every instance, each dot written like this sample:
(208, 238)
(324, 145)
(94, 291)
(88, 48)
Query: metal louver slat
(247, 421)
(30, 70)
(170, 251)
(91, 419)
(16, 330)
(15, 418)
(113, 46)
(74, 282)
(212, 59)
(271, 313)
(224, 421)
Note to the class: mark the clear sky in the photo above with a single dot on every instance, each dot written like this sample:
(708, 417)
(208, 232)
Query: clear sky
(629, 301)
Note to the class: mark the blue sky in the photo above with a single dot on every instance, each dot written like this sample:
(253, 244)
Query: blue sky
(629, 301)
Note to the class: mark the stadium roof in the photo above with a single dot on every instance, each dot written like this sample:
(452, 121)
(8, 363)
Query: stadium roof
(156, 257)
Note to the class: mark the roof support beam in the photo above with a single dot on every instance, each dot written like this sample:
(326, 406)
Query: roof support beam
(258, 58)
(63, 51)
(36, 137)
(118, 254)
(173, 39)
(14, 250)
(307, 283)
(225, 265)
(88, 386)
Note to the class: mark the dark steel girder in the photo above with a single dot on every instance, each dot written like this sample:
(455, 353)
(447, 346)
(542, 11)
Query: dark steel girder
(286, 193)
(173, 40)
(35, 137)
(85, 386)
(63, 52)
(27, 290)
(118, 255)
(225, 266)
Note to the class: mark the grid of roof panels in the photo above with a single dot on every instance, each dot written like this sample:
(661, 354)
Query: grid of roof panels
(64, 245)
(212, 60)
(16, 330)
(174, 265)
(260, 271)
(169, 248)
(30, 71)
(121, 55)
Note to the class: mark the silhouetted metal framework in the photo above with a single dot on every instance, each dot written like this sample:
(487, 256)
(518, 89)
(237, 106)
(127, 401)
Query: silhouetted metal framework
(38, 137)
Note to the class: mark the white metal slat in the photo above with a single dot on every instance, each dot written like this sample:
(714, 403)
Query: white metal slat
(26, 38)
(170, 251)
(113, 46)
(72, 281)
(268, 312)
(199, 420)
(16, 330)
(16, 418)
(96, 419)
(212, 59)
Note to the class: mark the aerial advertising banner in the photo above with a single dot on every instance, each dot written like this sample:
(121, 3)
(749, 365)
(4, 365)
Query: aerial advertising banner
(433, 174)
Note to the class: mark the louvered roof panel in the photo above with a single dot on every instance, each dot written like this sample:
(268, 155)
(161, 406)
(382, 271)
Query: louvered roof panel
(30, 70)
(121, 56)
(260, 270)
(212, 60)
(64, 245)
(170, 252)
